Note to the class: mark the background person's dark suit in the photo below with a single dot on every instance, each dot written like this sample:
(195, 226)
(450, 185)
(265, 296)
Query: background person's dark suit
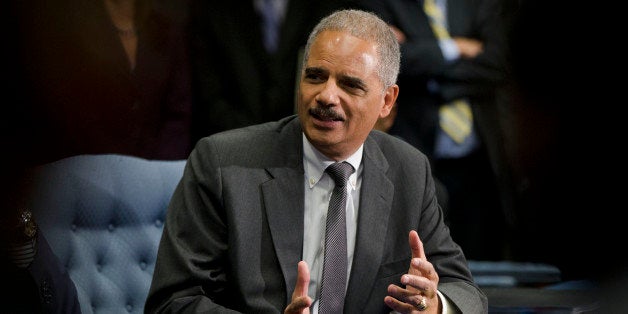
(246, 190)
(34, 279)
(236, 82)
(43, 287)
(75, 91)
(472, 181)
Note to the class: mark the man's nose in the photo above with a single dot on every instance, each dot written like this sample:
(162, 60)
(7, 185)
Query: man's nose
(329, 95)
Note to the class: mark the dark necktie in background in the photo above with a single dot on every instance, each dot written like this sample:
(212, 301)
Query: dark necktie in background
(455, 118)
(334, 279)
(271, 21)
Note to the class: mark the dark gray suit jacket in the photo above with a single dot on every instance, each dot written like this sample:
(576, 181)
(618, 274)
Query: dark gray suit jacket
(234, 229)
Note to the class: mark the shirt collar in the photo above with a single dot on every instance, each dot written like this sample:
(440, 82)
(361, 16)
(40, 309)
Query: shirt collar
(315, 163)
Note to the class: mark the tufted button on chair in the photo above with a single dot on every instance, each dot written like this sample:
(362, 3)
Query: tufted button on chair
(103, 217)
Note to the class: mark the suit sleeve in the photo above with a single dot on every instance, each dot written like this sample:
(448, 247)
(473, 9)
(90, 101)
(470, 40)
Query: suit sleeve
(455, 279)
(44, 286)
(190, 269)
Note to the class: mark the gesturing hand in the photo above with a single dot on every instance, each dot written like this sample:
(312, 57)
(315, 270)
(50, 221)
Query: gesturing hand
(421, 282)
(300, 302)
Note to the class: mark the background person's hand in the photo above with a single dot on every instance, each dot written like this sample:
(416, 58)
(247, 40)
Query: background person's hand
(421, 284)
(401, 37)
(301, 302)
(469, 47)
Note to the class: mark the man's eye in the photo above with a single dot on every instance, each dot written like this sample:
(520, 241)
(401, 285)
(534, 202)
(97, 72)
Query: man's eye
(353, 86)
(313, 77)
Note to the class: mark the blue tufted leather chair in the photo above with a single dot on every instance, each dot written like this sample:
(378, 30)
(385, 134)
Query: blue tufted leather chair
(103, 217)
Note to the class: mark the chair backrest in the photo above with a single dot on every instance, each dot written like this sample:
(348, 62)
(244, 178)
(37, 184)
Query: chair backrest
(103, 217)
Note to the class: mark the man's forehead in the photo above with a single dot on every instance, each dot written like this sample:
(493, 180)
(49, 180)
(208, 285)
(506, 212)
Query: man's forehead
(342, 52)
(342, 39)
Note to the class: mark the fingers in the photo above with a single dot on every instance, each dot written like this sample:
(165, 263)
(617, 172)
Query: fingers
(420, 282)
(303, 279)
(420, 285)
(410, 301)
(422, 267)
(401, 37)
(300, 305)
(400, 307)
(469, 47)
(301, 302)
(416, 246)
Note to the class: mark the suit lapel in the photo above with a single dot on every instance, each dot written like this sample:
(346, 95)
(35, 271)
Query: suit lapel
(375, 204)
(285, 214)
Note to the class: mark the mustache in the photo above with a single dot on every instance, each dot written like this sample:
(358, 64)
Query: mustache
(325, 113)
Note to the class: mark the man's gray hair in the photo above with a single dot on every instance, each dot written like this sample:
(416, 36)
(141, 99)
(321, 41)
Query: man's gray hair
(366, 26)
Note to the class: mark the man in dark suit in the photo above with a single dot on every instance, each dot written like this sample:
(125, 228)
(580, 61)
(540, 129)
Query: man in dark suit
(246, 225)
(466, 62)
(34, 279)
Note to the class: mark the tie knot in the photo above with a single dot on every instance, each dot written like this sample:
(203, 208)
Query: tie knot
(340, 172)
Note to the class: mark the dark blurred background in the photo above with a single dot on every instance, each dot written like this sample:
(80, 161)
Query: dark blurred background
(565, 156)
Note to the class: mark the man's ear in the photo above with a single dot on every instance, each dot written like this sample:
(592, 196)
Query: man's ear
(390, 97)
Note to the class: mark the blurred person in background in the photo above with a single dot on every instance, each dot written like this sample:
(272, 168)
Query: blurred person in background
(459, 55)
(245, 57)
(107, 76)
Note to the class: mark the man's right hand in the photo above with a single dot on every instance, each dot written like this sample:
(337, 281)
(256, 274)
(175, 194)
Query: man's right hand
(301, 302)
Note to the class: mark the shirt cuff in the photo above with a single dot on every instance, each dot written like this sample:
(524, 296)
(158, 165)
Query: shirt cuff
(450, 49)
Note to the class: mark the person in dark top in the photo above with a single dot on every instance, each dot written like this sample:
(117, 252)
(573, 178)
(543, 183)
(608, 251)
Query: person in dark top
(237, 81)
(99, 77)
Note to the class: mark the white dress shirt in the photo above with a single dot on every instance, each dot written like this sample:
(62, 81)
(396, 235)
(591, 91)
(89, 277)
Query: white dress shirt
(318, 188)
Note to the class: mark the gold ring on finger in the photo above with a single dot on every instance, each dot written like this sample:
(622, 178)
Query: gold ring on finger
(422, 305)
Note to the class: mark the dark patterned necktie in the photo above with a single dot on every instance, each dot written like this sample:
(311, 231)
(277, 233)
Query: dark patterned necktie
(334, 279)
